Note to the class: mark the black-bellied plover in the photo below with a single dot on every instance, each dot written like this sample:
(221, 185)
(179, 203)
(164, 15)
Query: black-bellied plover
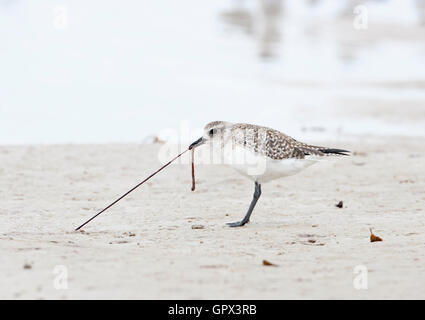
(259, 153)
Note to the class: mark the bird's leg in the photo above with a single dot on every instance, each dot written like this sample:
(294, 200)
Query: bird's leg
(257, 194)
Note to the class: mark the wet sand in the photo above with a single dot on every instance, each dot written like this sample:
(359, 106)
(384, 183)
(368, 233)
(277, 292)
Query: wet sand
(165, 242)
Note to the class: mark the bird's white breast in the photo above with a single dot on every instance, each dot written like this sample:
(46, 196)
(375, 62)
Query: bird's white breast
(258, 167)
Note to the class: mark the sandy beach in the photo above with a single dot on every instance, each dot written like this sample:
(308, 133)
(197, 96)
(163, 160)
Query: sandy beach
(165, 242)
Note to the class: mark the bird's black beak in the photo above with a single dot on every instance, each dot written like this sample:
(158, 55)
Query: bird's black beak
(197, 143)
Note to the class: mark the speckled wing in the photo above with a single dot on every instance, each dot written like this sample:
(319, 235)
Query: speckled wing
(275, 144)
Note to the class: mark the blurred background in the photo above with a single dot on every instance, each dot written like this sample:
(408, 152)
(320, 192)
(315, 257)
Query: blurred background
(122, 71)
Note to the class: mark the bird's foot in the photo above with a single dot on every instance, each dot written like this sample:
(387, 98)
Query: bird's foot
(237, 223)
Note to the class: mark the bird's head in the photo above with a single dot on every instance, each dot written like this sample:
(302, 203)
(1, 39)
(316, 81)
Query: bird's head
(213, 131)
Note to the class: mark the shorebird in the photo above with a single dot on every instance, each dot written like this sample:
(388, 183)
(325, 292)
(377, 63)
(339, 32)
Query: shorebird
(262, 154)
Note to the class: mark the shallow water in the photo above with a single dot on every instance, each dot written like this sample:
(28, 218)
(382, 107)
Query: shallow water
(110, 71)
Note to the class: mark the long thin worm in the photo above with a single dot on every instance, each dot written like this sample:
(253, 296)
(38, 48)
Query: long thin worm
(193, 169)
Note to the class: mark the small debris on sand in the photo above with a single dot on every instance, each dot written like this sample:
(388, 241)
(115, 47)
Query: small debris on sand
(156, 139)
(198, 226)
(129, 234)
(27, 266)
(118, 242)
(374, 238)
(340, 204)
(269, 264)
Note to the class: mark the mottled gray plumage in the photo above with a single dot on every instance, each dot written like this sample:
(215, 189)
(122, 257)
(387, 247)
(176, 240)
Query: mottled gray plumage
(272, 143)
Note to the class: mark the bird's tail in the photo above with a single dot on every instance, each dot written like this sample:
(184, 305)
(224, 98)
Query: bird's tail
(332, 151)
(319, 152)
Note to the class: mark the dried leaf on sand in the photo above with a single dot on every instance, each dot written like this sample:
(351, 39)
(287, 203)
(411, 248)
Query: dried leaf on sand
(374, 238)
(268, 263)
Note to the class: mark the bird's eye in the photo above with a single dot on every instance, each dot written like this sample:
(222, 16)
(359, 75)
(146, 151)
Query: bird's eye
(212, 132)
